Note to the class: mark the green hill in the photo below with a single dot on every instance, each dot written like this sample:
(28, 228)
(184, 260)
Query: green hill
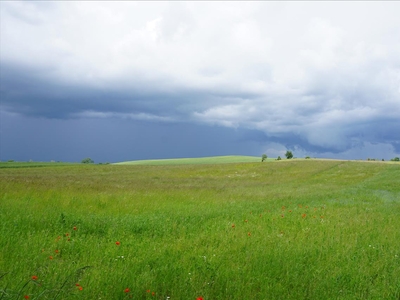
(198, 160)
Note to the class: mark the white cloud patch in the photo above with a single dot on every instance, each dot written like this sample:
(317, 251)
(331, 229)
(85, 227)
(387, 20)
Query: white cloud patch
(133, 116)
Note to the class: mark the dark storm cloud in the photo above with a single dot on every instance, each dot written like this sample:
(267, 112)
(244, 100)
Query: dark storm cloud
(115, 139)
(31, 92)
(321, 82)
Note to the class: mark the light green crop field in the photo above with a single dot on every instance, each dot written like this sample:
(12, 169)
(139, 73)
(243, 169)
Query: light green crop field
(191, 161)
(299, 229)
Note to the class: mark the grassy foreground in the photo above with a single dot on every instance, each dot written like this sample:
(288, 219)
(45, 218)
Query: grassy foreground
(302, 229)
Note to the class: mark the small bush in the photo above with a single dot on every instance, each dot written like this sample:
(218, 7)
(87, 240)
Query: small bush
(289, 154)
(87, 160)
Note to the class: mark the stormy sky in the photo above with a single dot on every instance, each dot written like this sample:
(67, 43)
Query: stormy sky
(119, 81)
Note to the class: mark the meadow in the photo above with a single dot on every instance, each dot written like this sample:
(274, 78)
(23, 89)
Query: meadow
(192, 161)
(298, 229)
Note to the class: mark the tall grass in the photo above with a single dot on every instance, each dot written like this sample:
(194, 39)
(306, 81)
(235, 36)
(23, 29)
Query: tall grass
(278, 230)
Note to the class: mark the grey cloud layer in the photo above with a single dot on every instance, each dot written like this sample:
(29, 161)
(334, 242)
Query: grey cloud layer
(322, 76)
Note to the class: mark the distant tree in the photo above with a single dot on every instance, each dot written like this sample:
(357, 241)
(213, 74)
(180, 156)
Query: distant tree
(395, 159)
(87, 160)
(279, 158)
(263, 157)
(307, 157)
(289, 154)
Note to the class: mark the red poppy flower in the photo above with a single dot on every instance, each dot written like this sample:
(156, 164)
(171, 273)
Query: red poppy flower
(50, 257)
(147, 291)
(80, 288)
(153, 293)
(67, 234)
(34, 277)
(117, 243)
(249, 234)
(77, 284)
(75, 228)
(26, 297)
(233, 225)
(199, 298)
(303, 216)
(127, 290)
(57, 251)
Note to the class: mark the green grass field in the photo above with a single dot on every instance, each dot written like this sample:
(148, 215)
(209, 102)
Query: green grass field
(300, 229)
(193, 161)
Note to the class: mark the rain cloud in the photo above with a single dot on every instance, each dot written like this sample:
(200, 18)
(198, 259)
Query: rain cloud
(322, 79)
